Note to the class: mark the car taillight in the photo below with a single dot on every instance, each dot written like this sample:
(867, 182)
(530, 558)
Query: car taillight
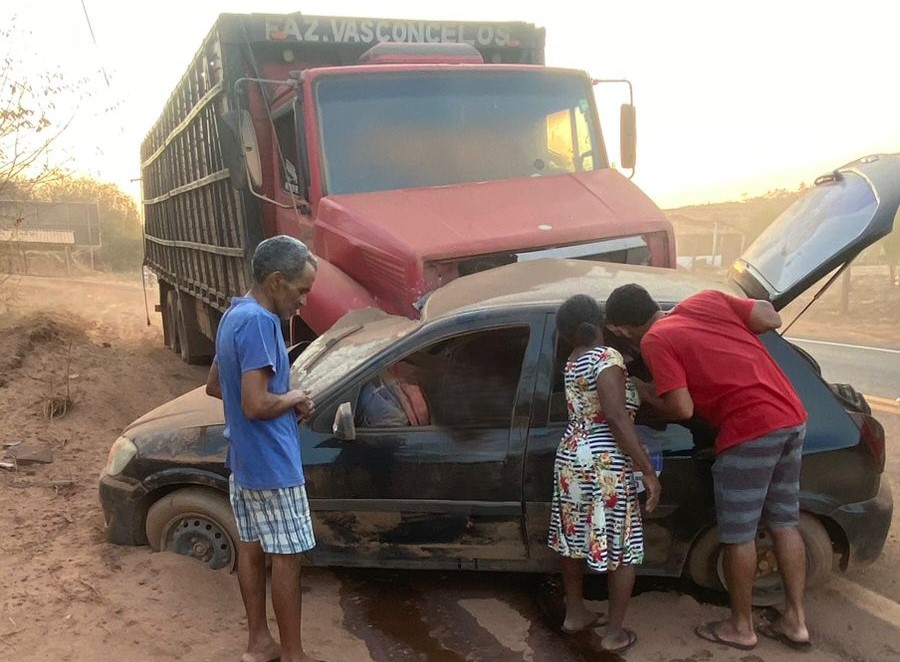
(871, 434)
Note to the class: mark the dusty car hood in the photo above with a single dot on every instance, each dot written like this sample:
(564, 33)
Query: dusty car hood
(194, 409)
(486, 217)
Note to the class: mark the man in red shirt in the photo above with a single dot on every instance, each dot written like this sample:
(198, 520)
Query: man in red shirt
(706, 358)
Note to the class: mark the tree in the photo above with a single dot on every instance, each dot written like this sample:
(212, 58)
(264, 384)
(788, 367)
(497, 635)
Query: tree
(37, 105)
(30, 121)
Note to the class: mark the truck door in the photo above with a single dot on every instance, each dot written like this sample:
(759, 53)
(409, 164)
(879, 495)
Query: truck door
(291, 162)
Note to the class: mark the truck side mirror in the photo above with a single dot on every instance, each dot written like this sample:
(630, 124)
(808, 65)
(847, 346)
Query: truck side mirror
(344, 428)
(250, 150)
(240, 150)
(628, 136)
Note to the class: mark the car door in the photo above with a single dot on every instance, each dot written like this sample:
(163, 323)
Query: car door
(686, 504)
(829, 225)
(444, 491)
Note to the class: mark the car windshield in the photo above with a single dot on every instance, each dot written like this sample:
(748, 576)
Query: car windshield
(405, 130)
(353, 340)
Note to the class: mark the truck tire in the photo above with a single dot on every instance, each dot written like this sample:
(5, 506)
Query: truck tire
(170, 310)
(194, 347)
(168, 322)
(196, 522)
(705, 564)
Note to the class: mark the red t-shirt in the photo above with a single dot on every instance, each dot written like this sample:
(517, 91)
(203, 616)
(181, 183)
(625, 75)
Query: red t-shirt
(704, 344)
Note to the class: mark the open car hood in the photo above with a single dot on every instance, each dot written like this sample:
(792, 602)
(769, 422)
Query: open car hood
(829, 225)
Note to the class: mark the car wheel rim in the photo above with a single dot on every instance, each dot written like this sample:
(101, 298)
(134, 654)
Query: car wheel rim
(202, 539)
(767, 578)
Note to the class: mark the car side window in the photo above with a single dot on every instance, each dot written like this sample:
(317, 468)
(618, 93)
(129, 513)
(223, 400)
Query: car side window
(684, 438)
(468, 380)
(558, 410)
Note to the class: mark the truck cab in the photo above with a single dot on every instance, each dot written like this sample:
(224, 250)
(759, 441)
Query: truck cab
(406, 154)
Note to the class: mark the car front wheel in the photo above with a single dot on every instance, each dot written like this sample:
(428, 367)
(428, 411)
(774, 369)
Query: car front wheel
(195, 522)
(706, 563)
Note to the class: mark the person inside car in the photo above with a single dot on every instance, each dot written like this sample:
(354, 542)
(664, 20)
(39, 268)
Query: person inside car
(393, 399)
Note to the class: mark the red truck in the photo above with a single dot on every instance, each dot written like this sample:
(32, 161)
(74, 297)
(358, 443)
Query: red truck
(405, 153)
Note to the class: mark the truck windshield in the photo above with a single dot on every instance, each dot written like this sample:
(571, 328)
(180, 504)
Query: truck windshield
(383, 131)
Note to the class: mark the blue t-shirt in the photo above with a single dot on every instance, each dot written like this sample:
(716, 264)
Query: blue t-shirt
(262, 455)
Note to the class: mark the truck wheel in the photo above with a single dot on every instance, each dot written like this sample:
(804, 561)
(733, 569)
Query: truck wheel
(171, 311)
(193, 346)
(195, 522)
(168, 323)
(706, 563)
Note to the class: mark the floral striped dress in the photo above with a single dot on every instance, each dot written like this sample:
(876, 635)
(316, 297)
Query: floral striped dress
(595, 514)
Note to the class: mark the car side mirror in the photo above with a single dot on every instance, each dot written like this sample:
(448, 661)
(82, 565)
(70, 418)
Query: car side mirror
(344, 428)
(628, 136)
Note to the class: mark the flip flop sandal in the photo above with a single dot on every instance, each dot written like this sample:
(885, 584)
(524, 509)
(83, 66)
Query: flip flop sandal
(767, 630)
(707, 632)
(632, 640)
(599, 619)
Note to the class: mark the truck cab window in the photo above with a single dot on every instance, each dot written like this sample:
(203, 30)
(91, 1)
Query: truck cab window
(408, 130)
(569, 147)
(288, 149)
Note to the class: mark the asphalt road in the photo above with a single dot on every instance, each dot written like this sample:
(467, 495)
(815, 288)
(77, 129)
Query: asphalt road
(870, 370)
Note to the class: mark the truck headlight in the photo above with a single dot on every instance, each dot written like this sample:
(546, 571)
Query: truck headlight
(123, 449)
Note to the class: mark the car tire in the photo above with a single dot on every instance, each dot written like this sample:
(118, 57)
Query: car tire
(706, 561)
(196, 522)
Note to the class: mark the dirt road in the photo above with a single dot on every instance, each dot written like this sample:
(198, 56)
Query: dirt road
(66, 594)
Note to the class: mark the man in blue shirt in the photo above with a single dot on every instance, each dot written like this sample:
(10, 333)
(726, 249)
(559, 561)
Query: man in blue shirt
(251, 374)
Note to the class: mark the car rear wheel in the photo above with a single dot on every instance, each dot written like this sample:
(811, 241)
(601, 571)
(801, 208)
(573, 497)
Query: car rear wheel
(195, 522)
(706, 564)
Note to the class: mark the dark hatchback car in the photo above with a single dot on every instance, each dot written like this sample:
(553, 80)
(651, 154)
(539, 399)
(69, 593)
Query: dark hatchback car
(434, 439)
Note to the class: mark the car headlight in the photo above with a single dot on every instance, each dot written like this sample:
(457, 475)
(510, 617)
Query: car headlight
(123, 449)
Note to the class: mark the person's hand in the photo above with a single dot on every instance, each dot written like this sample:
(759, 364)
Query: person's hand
(303, 405)
(654, 490)
(646, 390)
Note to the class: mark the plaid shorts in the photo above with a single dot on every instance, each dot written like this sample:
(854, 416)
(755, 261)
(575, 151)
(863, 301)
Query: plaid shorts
(757, 479)
(278, 519)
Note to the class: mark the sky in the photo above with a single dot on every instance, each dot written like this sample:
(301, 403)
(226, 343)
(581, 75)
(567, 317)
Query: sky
(733, 99)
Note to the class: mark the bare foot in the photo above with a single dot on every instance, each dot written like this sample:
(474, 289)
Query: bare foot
(618, 641)
(789, 625)
(580, 619)
(265, 652)
(303, 658)
(724, 632)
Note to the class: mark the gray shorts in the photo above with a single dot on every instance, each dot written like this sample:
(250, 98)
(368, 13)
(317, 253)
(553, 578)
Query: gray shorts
(278, 519)
(758, 479)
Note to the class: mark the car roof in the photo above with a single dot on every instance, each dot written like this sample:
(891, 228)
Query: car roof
(549, 282)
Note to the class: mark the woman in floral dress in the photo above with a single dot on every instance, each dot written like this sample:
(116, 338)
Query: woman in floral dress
(595, 516)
